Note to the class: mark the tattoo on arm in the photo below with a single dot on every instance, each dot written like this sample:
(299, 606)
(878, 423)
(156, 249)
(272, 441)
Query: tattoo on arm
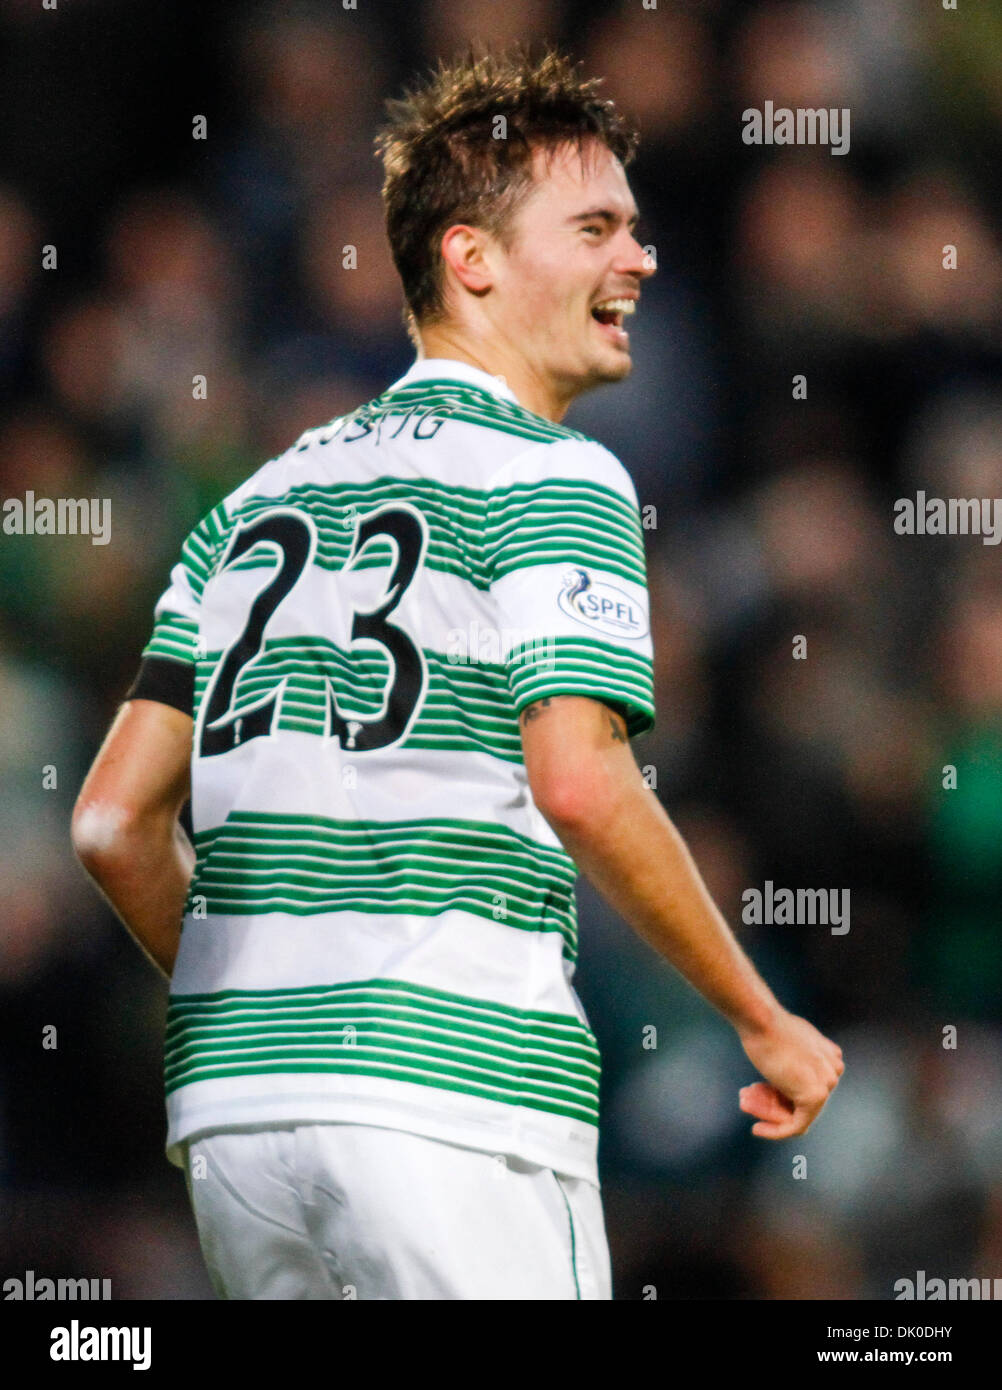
(617, 724)
(534, 710)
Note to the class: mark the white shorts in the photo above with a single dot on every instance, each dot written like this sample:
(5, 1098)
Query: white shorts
(341, 1211)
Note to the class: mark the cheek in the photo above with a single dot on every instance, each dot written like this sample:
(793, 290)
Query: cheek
(547, 281)
(549, 298)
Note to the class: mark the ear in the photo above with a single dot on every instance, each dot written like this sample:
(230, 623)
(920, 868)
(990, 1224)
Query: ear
(466, 251)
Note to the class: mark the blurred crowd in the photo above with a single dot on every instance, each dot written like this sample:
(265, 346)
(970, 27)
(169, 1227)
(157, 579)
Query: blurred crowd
(769, 515)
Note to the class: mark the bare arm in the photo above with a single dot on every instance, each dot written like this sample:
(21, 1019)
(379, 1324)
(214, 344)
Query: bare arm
(125, 824)
(586, 782)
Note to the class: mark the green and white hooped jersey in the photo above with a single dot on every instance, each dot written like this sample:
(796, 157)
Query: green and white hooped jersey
(381, 926)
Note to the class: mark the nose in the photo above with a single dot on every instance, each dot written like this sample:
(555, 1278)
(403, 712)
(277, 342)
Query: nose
(638, 260)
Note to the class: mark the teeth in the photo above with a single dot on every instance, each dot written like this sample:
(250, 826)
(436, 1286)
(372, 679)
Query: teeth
(618, 306)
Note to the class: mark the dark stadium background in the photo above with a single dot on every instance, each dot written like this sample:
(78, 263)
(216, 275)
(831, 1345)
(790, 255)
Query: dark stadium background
(774, 518)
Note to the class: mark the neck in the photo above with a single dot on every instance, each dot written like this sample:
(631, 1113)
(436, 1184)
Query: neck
(530, 388)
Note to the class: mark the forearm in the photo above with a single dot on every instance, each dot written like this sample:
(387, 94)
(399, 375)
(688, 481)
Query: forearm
(631, 852)
(145, 874)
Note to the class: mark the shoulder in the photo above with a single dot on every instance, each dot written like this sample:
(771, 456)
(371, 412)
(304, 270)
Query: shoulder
(565, 464)
(206, 542)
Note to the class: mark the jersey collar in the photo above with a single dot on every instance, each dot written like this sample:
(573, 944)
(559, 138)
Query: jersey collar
(449, 369)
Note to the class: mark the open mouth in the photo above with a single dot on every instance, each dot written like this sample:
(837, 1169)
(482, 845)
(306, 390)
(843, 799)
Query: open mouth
(610, 313)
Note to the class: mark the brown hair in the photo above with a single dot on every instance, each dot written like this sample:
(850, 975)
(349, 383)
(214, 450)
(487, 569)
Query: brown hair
(445, 163)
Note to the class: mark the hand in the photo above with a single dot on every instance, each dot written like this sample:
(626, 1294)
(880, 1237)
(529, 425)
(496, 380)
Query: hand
(801, 1068)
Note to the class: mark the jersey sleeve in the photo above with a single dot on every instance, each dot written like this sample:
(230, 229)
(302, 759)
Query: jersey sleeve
(167, 663)
(566, 567)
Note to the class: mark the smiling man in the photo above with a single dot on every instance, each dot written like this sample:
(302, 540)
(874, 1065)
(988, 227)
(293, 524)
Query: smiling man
(380, 1081)
(544, 302)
